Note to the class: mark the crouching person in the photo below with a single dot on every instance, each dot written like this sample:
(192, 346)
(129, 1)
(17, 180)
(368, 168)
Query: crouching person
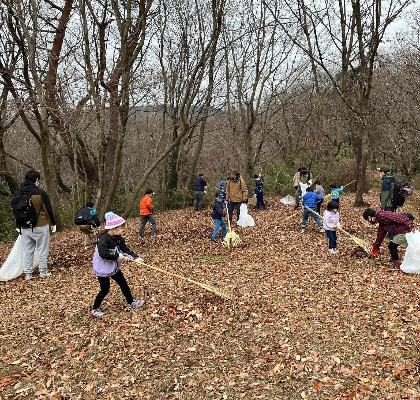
(395, 225)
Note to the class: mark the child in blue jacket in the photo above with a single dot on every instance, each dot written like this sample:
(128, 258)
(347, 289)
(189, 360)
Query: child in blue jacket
(217, 216)
(309, 202)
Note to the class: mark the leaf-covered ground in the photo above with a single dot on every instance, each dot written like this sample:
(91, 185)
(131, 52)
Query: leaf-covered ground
(302, 324)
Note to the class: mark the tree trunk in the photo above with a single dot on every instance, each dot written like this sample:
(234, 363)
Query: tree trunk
(4, 167)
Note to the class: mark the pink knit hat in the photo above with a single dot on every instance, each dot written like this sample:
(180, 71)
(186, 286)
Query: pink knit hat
(113, 220)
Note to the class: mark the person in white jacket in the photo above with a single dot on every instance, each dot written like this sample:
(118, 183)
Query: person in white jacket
(331, 222)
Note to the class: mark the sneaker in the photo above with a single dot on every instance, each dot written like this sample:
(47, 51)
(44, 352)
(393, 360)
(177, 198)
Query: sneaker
(331, 251)
(136, 303)
(28, 277)
(44, 274)
(96, 312)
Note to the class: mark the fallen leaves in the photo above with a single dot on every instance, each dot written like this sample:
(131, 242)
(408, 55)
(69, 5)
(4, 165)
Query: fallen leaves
(302, 324)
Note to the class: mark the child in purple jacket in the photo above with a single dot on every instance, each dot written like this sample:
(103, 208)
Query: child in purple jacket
(331, 222)
(110, 251)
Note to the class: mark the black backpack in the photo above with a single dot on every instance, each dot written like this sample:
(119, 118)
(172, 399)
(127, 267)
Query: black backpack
(399, 193)
(24, 211)
(83, 217)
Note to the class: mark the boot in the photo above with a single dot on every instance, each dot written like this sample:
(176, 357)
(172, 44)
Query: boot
(396, 264)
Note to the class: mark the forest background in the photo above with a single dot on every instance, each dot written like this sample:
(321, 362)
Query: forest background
(109, 97)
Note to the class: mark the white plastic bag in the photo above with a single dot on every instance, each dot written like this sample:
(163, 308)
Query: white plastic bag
(287, 200)
(13, 266)
(244, 218)
(411, 262)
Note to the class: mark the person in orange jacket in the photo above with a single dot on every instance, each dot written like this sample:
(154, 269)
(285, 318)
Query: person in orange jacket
(146, 212)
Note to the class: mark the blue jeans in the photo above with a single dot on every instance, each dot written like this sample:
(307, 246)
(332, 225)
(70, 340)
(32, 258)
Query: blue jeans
(218, 223)
(307, 212)
(332, 239)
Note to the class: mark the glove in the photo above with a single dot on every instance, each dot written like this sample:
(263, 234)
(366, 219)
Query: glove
(374, 252)
(54, 229)
(121, 257)
(139, 259)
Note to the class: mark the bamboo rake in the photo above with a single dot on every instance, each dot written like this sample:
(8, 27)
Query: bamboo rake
(215, 290)
(231, 239)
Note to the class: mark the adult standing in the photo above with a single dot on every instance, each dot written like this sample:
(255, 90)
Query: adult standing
(146, 212)
(391, 224)
(387, 187)
(301, 180)
(36, 236)
(199, 190)
(237, 193)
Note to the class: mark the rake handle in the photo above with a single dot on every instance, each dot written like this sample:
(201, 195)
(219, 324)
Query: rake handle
(228, 219)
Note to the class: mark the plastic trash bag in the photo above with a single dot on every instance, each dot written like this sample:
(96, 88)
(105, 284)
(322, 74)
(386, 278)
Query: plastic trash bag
(411, 262)
(13, 266)
(287, 200)
(244, 218)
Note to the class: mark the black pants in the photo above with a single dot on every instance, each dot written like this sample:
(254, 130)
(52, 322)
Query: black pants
(318, 207)
(198, 201)
(260, 201)
(231, 207)
(104, 282)
(393, 249)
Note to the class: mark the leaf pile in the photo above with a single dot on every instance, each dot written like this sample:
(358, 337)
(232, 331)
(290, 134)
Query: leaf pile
(301, 325)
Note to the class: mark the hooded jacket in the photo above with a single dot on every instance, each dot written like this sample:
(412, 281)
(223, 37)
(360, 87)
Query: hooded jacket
(218, 209)
(237, 190)
(310, 200)
(41, 202)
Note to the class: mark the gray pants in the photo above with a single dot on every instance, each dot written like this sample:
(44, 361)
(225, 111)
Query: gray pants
(38, 238)
(198, 201)
(143, 223)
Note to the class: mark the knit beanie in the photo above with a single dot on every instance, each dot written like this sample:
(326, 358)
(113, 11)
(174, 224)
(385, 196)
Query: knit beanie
(113, 220)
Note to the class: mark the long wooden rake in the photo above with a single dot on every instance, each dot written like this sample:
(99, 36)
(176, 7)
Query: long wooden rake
(214, 289)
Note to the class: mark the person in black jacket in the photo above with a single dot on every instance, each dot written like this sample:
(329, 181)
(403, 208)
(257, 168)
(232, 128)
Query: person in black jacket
(217, 215)
(199, 190)
(37, 236)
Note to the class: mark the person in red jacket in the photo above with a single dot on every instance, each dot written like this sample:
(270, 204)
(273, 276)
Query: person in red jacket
(146, 212)
(395, 225)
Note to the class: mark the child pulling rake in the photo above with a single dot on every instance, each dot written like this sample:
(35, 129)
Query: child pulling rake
(360, 242)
